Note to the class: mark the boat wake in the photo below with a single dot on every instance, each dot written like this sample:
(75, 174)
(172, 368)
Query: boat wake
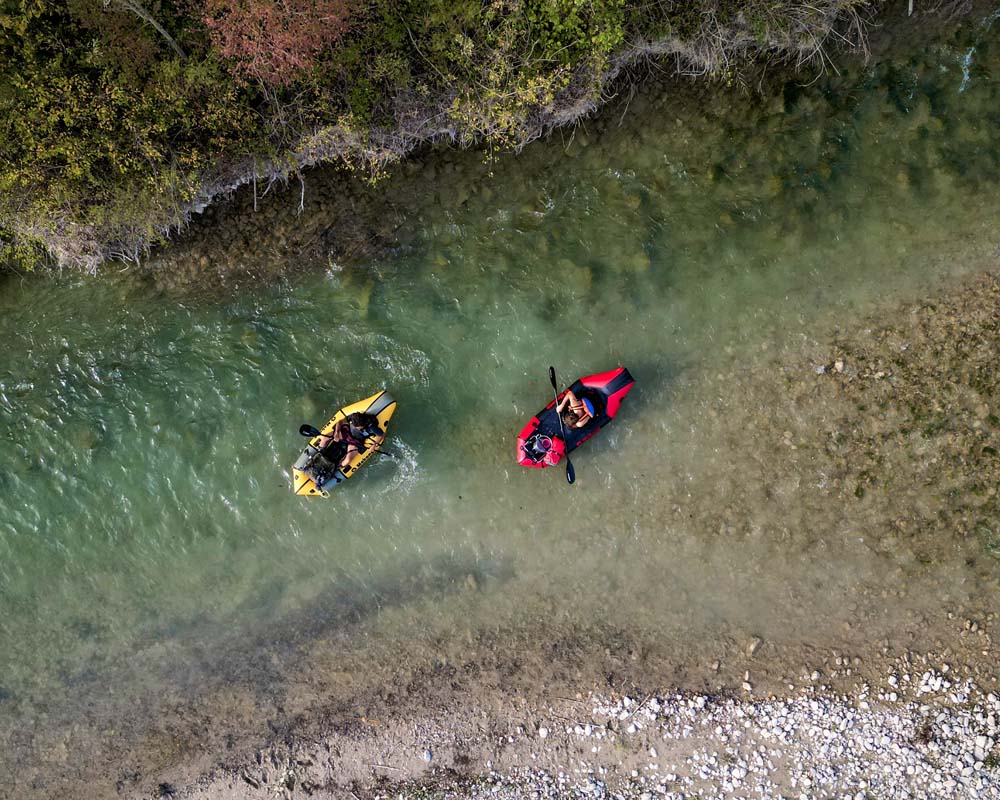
(402, 467)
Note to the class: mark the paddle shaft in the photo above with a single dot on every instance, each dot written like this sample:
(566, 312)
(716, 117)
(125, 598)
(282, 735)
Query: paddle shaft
(570, 472)
(310, 431)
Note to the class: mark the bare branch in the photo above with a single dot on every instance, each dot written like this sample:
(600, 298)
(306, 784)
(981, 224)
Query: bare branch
(136, 8)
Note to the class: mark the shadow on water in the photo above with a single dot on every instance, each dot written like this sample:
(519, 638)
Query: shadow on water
(656, 383)
(203, 657)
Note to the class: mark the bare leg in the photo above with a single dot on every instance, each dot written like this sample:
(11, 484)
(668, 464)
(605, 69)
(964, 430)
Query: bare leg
(351, 450)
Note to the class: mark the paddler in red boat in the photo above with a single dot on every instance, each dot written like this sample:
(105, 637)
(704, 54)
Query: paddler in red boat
(572, 418)
(580, 410)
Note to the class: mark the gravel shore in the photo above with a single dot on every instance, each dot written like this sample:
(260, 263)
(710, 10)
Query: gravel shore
(923, 732)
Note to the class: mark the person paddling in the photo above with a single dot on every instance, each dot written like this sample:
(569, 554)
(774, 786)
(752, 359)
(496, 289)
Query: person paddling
(579, 410)
(341, 434)
(352, 432)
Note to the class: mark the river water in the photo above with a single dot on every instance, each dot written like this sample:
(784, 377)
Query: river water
(146, 522)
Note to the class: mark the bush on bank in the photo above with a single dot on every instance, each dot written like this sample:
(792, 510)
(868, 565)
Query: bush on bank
(119, 116)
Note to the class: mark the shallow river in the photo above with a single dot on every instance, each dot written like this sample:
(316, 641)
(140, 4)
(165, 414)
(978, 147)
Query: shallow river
(146, 436)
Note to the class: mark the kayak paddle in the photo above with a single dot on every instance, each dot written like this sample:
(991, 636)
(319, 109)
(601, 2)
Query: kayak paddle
(570, 472)
(308, 430)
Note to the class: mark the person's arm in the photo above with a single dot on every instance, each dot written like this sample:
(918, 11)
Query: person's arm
(338, 431)
(569, 397)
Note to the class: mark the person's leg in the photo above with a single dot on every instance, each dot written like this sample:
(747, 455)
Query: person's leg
(351, 450)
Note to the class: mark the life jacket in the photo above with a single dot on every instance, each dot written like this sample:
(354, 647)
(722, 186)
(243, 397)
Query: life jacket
(361, 426)
(585, 404)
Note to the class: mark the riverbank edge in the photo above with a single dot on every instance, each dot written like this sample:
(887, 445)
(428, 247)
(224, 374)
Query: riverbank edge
(735, 54)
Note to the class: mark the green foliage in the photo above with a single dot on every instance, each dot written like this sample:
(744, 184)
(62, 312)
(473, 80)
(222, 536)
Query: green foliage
(570, 29)
(86, 121)
(361, 99)
(20, 256)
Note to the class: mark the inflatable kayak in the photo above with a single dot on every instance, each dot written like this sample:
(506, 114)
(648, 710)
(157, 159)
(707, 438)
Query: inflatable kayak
(318, 470)
(541, 443)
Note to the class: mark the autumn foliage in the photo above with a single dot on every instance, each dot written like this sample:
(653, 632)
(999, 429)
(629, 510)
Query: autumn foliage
(274, 41)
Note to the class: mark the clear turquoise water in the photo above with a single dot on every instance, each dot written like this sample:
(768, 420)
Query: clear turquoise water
(146, 437)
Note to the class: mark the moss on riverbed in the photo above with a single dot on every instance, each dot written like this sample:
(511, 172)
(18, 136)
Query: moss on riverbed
(928, 390)
(893, 429)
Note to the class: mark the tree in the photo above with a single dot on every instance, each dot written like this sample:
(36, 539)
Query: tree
(272, 41)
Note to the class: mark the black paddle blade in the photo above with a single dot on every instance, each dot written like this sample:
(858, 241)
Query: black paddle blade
(552, 377)
(308, 430)
(570, 473)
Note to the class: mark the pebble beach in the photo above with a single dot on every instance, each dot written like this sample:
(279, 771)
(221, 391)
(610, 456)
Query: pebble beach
(922, 733)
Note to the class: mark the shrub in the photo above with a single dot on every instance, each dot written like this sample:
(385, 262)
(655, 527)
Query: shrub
(273, 41)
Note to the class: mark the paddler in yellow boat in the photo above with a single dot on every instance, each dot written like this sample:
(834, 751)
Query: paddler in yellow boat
(353, 431)
(345, 444)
